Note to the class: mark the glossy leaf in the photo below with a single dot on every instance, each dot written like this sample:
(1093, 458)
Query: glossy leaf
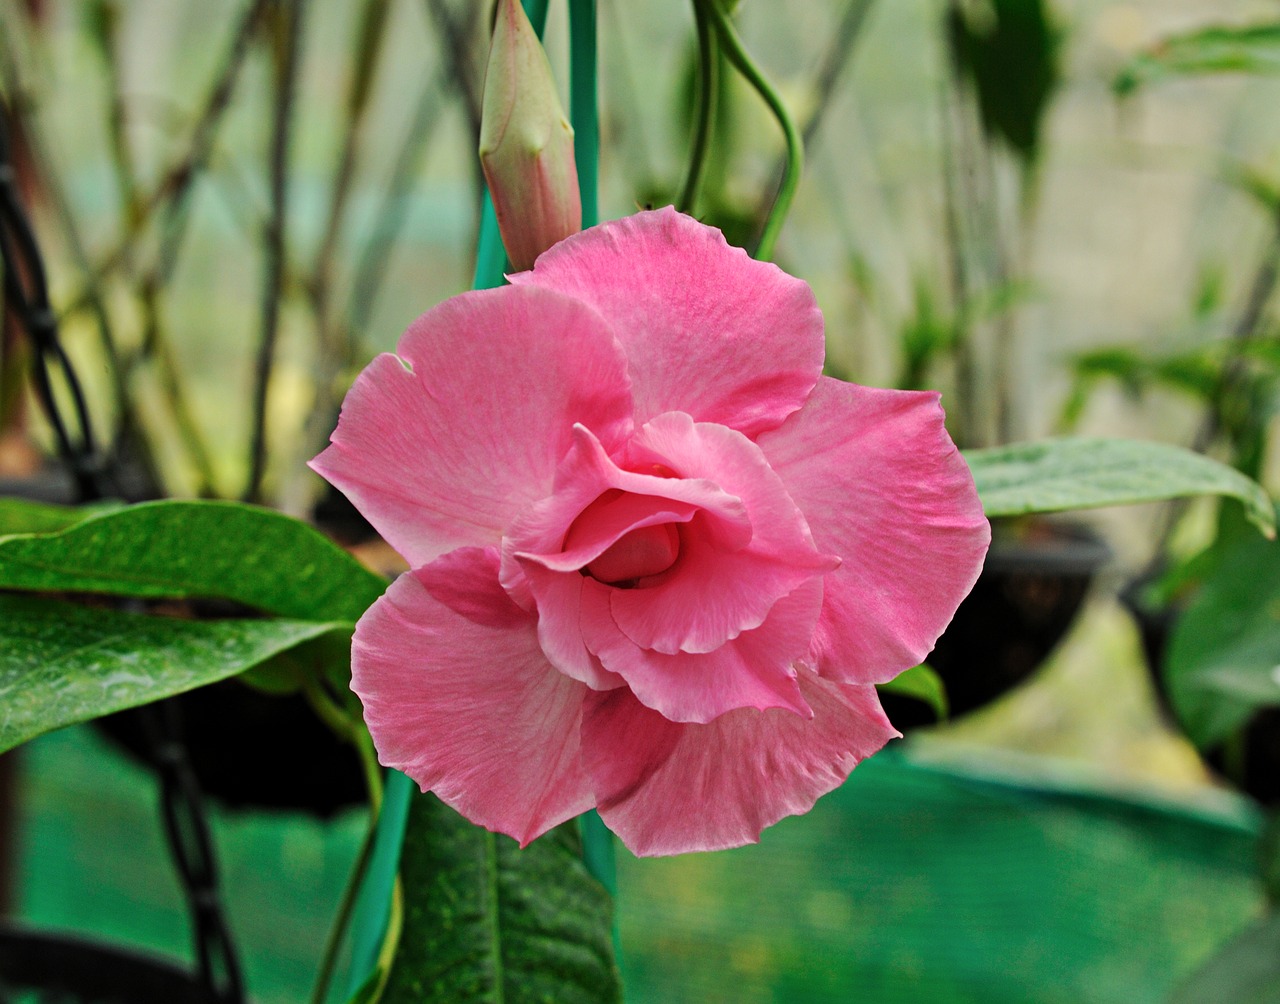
(24, 516)
(1217, 49)
(1057, 474)
(62, 663)
(493, 924)
(224, 550)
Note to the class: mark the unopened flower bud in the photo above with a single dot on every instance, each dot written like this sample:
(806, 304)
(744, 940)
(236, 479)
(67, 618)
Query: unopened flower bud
(526, 142)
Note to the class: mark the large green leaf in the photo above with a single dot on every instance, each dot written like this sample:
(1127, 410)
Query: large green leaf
(492, 924)
(1245, 971)
(175, 549)
(1057, 474)
(1225, 648)
(1217, 49)
(24, 516)
(62, 663)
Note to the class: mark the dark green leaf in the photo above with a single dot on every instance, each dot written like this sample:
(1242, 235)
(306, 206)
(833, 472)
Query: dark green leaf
(1011, 53)
(1245, 971)
(921, 683)
(62, 663)
(490, 923)
(1057, 474)
(1253, 49)
(223, 550)
(1225, 649)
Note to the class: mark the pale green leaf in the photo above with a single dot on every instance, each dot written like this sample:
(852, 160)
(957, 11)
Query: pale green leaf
(1216, 49)
(1058, 474)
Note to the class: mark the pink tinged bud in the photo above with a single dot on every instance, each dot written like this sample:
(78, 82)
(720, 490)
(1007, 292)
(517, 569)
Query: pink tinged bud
(526, 143)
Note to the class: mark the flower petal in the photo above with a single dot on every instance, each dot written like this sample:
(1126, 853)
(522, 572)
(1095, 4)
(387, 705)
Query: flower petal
(712, 594)
(442, 446)
(559, 601)
(468, 706)
(883, 487)
(754, 670)
(706, 329)
(668, 788)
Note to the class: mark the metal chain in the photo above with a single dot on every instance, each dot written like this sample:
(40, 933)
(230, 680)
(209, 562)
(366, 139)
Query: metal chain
(182, 804)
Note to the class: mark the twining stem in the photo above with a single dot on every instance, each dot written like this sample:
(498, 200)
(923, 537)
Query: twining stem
(706, 83)
(727, 38)
(832, 65)
(285, 43)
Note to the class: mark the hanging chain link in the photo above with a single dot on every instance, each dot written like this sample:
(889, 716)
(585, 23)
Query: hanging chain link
(182, 804)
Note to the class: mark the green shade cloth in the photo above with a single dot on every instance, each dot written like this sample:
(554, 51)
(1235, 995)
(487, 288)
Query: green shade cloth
(916, 881)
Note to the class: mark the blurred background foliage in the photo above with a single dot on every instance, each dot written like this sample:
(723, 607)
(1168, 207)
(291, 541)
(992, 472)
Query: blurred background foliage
(1065, 215)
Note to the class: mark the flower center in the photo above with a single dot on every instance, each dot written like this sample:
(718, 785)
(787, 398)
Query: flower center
(644, 551)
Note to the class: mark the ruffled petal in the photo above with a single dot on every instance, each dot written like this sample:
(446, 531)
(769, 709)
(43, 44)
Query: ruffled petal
(560, 599)
(668, 788)
(444, 444)
(882, 486)
(706, 329)
(466, 704)
(714, 593)
(754, 670)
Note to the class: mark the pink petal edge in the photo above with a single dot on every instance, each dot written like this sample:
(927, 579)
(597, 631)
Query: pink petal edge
(883, 487)
(470, 710)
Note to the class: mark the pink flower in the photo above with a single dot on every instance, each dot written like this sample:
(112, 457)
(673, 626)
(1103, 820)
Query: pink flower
(659, 562)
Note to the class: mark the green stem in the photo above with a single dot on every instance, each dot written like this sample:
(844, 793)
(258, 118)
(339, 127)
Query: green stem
(705, 104)
(583, 110)
(346, 906)
(731, 45)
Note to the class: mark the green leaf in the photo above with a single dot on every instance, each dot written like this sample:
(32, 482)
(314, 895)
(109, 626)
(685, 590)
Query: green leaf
(1245, 971)
(1224, 654)
(490, 923)
(174, 549)
(1012, 54)
(23, 516)
(921, 683)
(62, 663)
(1218, 49)
(1057, 474)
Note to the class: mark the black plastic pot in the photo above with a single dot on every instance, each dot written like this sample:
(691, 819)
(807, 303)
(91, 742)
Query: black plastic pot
(1032, 586)
(46, 968)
